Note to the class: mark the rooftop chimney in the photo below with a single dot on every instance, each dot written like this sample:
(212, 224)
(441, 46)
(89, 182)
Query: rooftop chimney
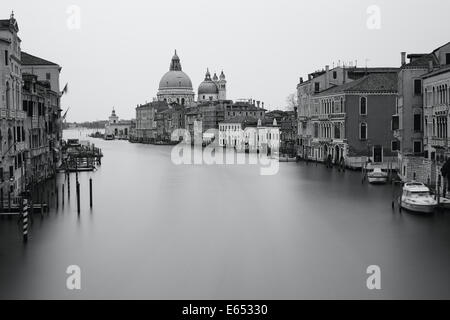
(301, 80)
(403, 58)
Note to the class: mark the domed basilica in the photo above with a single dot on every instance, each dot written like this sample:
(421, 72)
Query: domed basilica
(176, 86)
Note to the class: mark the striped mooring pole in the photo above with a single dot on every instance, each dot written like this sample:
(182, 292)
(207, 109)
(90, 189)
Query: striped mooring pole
(25, 220)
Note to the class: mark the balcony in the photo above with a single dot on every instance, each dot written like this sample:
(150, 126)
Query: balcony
(440, 109)
(438, 143)
(35, 152)
(12, 114)
(337, 116)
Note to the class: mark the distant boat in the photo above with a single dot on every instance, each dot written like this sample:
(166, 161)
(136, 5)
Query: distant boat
(109, 137)
(377, 176)
(417, 197)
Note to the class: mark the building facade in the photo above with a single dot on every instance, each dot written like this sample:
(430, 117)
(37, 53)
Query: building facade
(436, 86)
(352, 122)
(12, 118)
(246, 134)
(410, 121)
(120, 129)
(316, 83)
(30, 115)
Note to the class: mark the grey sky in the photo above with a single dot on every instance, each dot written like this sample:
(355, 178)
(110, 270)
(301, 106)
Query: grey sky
(122, 50)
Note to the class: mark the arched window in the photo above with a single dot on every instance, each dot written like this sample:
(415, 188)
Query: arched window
(363, 106)
(363, 131)
(182, 101)
(337, 131)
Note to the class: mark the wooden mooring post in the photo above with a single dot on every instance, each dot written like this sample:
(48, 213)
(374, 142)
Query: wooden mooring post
(90, 193)
(78, 197)
(62, 198)
(57, 197)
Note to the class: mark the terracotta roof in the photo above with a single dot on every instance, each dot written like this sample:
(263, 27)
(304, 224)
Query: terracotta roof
(376, 83)
(30, 60)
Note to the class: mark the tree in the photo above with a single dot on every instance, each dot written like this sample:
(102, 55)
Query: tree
(292, 102)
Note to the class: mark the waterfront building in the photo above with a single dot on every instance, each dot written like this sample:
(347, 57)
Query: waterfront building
(44, 123)
(146, 126)
(245, 133)
(12, 144)
(120, 129)
(409, 121)
(316, 83)
(436, 101)
(289, 132)
(352, 121)
(41, 162)
(205, 116)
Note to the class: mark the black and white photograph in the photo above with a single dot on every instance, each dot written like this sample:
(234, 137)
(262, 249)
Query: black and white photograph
(210, 150)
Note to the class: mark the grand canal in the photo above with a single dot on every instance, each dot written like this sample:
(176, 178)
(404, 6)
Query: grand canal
(160, 231)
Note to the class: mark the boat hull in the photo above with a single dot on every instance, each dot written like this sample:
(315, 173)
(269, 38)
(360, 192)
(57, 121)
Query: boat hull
(377, 180)
(418, 208)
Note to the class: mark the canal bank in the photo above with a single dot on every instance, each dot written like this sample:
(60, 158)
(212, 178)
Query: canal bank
(219, 232)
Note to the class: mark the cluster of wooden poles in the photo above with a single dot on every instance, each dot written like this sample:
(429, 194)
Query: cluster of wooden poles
(27, 209)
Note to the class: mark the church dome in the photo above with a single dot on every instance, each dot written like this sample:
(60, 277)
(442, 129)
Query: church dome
(175, 78)
(208, 86)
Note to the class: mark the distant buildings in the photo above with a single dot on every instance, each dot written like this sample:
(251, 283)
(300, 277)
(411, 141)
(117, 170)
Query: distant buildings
(119, 129)
(246, 134)
(176, 108)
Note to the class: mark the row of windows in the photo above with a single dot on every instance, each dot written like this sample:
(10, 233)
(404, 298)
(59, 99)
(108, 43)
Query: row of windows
(438, 96)
(329, 106)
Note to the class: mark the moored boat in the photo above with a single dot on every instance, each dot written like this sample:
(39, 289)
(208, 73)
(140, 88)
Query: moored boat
(417, 197)
(377, 176)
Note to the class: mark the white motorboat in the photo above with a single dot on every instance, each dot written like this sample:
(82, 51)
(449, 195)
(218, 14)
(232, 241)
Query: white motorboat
(417, 197)
(377, 176)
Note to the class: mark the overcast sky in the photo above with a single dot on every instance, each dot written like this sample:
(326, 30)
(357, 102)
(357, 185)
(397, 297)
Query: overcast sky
(120, 52)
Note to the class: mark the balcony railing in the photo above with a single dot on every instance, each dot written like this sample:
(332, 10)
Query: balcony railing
(436, 142)
(337, 116)
(12, 114)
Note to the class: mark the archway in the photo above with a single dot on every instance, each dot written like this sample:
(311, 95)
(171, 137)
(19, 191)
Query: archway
(337, 154)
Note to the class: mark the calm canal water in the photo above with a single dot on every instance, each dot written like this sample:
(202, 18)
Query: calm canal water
(160, 231)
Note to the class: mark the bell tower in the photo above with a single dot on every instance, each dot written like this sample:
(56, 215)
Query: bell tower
(222, 84)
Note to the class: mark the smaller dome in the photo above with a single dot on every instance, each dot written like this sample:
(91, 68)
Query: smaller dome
(208, 87)
(222, 76)
(215, 78)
